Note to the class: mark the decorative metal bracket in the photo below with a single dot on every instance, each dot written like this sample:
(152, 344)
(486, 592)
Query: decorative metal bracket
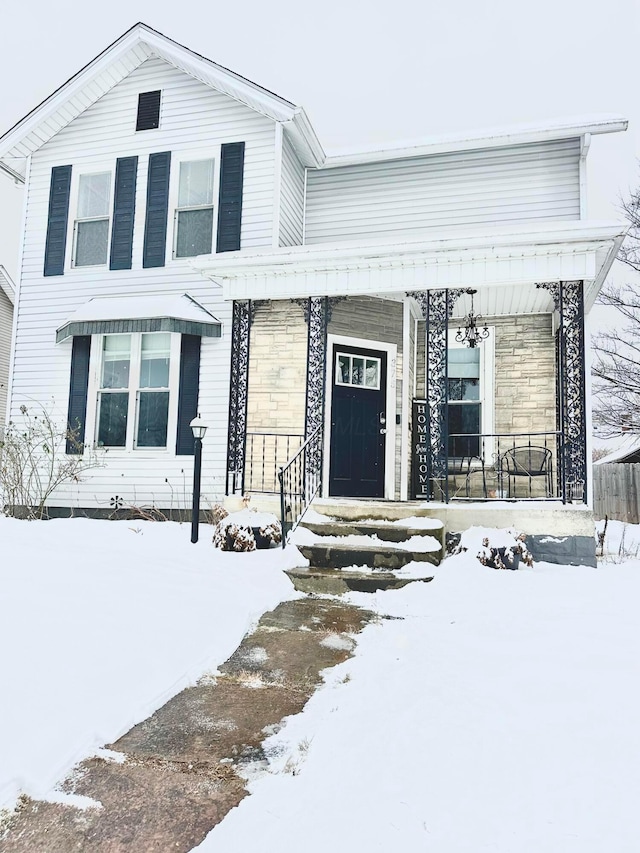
(332, 301)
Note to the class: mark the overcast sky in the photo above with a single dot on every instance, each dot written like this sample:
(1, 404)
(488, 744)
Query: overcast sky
(366, 72)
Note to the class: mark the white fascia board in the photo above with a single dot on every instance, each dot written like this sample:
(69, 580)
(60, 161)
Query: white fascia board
(131, 49)
(594, 287)
(523, 134)
(490, 260)
(304, 140)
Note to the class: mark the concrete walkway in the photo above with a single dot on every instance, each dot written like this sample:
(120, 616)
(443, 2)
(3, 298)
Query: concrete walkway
(174, 776)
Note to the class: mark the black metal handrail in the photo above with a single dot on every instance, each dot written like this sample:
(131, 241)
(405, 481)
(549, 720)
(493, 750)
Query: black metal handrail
(300, 482)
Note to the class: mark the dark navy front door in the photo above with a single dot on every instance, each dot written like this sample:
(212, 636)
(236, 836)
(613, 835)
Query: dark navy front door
(358, 422)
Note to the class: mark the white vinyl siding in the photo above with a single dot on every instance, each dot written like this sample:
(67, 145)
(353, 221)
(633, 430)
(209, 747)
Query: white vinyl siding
(291, 197)
(523, 183)
(193, 117)
(6, 324)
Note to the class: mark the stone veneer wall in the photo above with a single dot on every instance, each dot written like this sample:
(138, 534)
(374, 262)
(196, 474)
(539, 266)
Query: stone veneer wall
(276, 394)
(374, 320)
(525, 382)
(277, 368)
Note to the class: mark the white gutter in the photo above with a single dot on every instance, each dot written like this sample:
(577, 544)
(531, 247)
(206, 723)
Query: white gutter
(522, 134)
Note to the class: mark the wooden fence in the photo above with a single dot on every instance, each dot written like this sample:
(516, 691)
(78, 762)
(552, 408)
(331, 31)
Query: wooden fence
(616, 488)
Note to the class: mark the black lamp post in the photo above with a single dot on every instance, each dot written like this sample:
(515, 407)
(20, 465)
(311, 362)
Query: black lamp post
(198, 427)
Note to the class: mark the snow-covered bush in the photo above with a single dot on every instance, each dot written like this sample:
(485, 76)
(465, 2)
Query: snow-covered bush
(247, 530)
(498, 549)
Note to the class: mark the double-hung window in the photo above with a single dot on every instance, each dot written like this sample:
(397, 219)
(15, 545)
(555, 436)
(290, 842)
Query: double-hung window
(91, 231)
(470, 399)
(194, 215)
(137, 372)
(464, 403)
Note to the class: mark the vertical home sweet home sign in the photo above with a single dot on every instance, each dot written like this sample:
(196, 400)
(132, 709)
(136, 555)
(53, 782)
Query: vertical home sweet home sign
(420, 449)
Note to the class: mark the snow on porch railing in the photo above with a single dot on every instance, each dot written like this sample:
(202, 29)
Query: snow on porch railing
(300, 482)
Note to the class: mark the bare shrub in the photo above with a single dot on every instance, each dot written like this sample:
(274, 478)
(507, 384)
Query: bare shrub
(34, 463)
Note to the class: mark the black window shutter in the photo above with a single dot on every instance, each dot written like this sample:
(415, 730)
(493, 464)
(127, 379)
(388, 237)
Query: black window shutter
(188, 393)
(155, 228)
(78, 385)
(58, 217)
(148, 110)
(124, 208)
(230, 203)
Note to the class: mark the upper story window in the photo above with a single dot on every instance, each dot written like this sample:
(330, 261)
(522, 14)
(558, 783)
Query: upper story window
(91, 231)
(194, 211)
(148, 117)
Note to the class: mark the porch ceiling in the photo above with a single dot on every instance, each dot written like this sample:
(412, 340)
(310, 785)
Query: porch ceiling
(498, 258)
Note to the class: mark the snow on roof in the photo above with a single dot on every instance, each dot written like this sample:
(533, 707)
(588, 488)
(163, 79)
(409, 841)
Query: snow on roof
(114, 314)
(619, 447)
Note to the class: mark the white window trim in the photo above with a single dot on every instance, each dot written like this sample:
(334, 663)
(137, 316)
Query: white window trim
(487, 386)
(390, 444)
(76, 173)
(213, 153)
(93, 398)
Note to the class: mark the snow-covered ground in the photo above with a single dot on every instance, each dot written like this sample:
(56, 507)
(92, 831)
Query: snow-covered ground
(101, 623)
(498, 713)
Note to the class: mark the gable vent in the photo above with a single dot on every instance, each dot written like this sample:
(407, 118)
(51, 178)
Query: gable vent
(148, 110)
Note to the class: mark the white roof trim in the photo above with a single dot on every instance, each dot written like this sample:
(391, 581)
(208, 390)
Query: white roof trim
(519, 134)
(7, 286)
(554, 252)
(123, 56)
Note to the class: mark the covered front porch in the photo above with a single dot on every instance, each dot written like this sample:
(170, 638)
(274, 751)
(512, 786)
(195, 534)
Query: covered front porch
(348, 371)
(399, 409)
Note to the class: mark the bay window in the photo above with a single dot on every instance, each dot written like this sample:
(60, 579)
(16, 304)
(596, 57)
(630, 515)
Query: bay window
(134, 400)
(91, 228)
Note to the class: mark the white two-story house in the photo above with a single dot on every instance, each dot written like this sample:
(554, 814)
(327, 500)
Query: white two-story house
(189, 248)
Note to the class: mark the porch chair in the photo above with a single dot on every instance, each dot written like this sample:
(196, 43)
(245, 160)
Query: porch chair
(530, 462)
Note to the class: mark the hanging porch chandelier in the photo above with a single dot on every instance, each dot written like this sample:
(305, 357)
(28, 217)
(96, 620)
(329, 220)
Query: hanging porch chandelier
(469, 334)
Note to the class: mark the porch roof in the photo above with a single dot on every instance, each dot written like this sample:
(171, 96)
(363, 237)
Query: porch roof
(524, 254)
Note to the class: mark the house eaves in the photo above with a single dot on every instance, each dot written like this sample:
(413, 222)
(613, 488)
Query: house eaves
(7, 286)
(465, 258)
(114, 64)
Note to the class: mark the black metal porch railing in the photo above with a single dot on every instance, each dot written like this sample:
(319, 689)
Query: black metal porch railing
(522, 466)
(300, 482)
(265, 454)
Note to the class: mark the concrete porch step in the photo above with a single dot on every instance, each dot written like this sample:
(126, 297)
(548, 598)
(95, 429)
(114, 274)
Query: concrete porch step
(388, 532)
(351, 509)
(335, 582)
(375, 556)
